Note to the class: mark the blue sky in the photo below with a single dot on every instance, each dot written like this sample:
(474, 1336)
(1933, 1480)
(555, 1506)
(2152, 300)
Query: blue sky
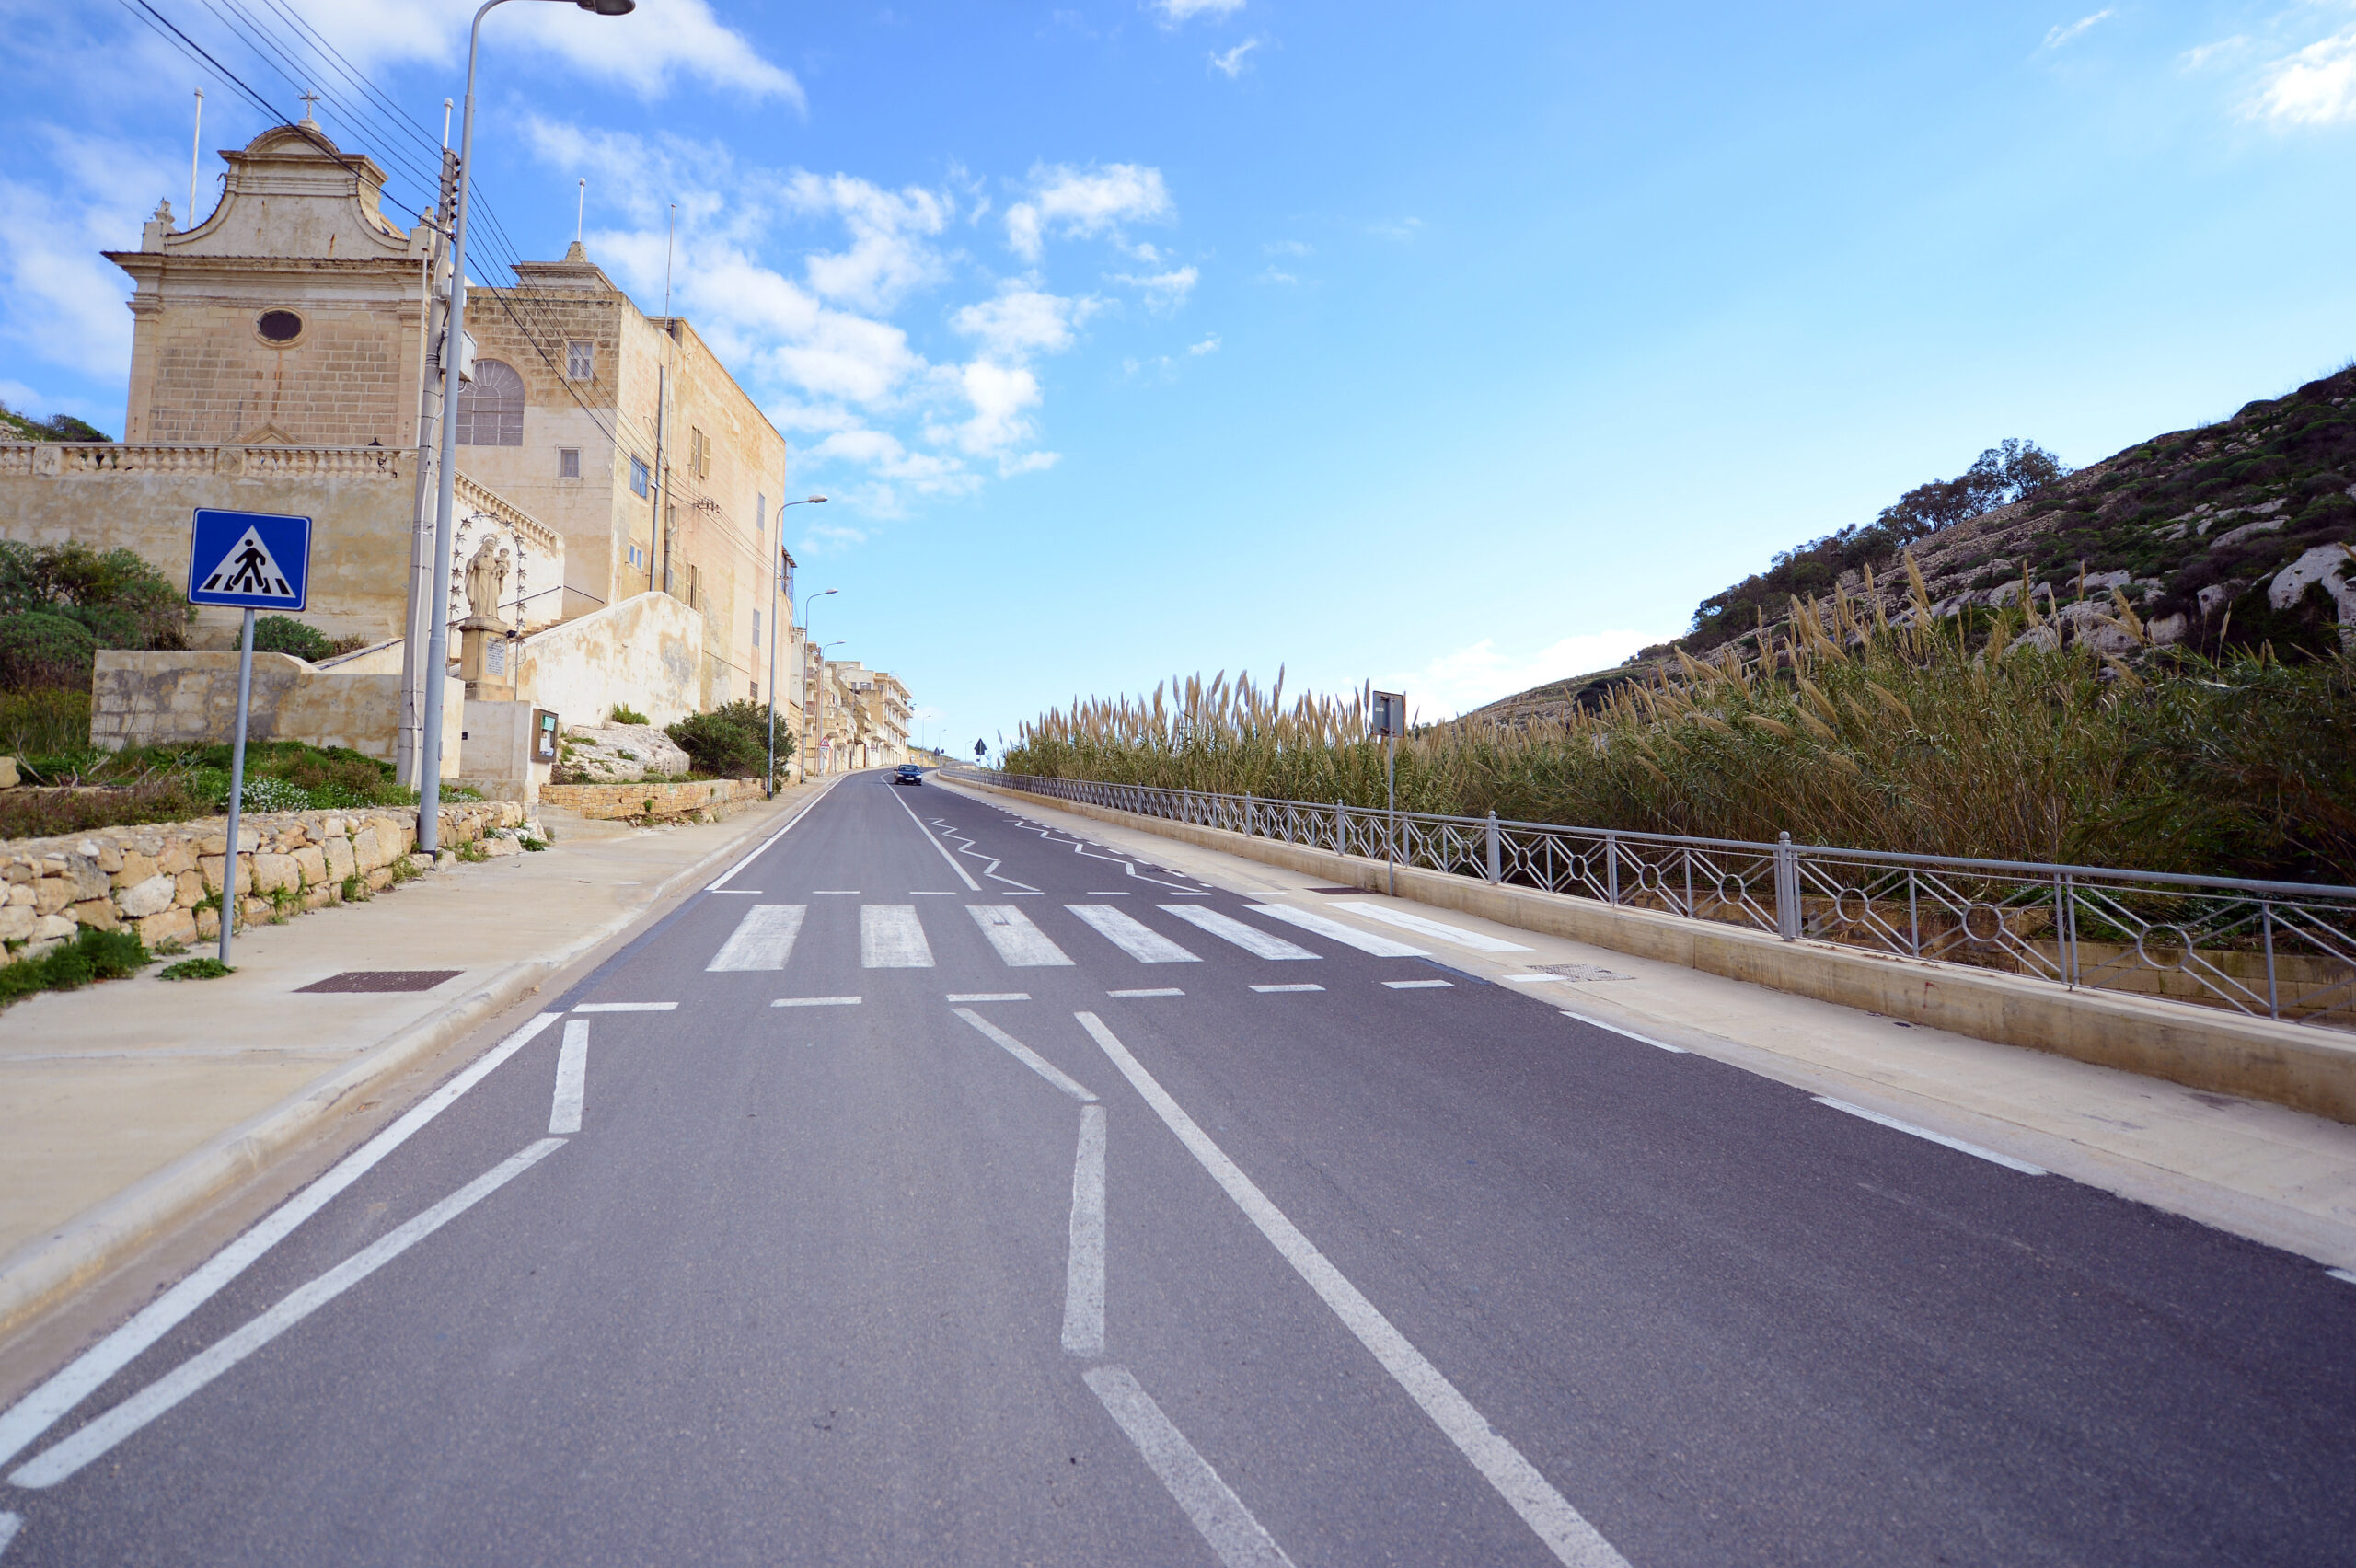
(1454, 348)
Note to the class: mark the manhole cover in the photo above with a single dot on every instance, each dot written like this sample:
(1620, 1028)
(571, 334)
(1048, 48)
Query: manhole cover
(1583, 971)
(383, 980)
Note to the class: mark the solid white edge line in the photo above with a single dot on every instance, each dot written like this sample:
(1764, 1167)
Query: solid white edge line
(1024, 1055)
(1562, 1528)
(626, 1007)
(1626, 1033)
(2345, 1277)
(572, 1079)
(1418, 984)
(717, 883)
(963, 875)
(2006, 1160)
(1084, 1271)
(93, 1441)
(9, 1525)
(69, 1385)
(989, 996)
(817, 1002)
(1211, 1505)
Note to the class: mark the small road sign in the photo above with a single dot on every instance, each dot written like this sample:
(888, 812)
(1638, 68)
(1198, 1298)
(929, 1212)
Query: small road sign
(249, 560)
(1390, 714)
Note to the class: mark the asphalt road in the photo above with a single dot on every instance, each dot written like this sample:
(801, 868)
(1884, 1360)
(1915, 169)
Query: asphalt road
(898, 1217)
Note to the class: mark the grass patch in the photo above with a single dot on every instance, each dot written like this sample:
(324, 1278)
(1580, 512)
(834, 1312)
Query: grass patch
(196, 969)
(92, 955)
(73, 788)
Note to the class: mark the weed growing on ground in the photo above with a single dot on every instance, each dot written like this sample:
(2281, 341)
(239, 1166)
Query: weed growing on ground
(196, 969)
(92, 955)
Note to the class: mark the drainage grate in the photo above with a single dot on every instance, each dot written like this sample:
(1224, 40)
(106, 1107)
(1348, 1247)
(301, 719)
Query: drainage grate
(383, 980)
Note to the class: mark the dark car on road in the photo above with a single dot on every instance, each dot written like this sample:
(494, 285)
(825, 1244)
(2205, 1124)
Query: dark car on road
(909, 773)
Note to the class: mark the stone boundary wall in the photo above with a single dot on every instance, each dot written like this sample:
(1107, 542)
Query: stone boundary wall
(164, 880)
(185, 697)
(704, 801)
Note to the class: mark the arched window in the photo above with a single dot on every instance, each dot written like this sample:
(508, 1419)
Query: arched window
(490, 412)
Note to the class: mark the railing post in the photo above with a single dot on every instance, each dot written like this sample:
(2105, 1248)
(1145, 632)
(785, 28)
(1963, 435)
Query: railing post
(1493, 848)
(2265, 918)
(1251, 818)
(1611, 869)
(1341, 830)
(1787, 890)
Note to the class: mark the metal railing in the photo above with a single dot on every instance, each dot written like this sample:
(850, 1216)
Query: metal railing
(2271, 950)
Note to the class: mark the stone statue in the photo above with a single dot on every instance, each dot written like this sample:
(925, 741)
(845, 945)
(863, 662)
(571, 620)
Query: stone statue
(486, 580)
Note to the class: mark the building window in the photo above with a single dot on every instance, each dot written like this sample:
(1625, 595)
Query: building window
(568, 462)
(637, 476)
(757, 629)
(698, 454)
(279, 326)
(490, 412)
(580, 362)
(760, 519)
(636, 558)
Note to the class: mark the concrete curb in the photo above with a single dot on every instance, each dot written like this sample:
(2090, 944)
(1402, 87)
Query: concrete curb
(2299, 1066)
(91, 1244)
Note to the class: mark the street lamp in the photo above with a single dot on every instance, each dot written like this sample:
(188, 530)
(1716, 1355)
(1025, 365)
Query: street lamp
(809, 690)
(437, 644)
(776, 583)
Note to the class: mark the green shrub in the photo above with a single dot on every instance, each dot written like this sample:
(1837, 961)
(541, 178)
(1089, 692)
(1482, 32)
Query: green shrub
(115, 595)
(625, 714)
(42, 648)
(92, 955)
(284, 634)
(729, 742)
(44, 719)
(195, 969)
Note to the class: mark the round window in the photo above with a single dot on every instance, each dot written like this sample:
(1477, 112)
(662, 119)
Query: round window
(279, 326)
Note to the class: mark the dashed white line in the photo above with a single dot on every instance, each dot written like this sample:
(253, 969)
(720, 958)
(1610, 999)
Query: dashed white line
(1419, 985)
(1209, 1503)
(1150, 991)
(989, 996)
(1027, 1057)
(1084, 1273)
(95, 1440)
(2006, 1160)
(1100, 892)
(627, 1006)
(572, 1079)
(817, 1001)
(1268, 989)
(1627, 1034)
(34, 1415)
(1561, 1526)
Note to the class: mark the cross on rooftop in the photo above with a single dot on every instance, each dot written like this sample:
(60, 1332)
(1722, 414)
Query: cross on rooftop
(307, 101)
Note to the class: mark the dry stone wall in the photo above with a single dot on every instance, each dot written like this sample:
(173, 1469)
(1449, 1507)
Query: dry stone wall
(165, 881)
(704, 800)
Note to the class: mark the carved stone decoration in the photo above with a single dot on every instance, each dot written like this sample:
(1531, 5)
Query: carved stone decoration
(487, 580)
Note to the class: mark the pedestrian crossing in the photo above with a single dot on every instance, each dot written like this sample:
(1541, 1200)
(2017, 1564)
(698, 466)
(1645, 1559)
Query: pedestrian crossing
(896, 936)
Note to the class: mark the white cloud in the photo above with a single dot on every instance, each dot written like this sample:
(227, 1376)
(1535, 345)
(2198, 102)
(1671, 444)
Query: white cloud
(2071, 31)
(2199, 55)
(1068, 202)
(65, 300)
(998, 395)
(645, 52)
(1022, 322)
(1230, 64)
(1459, 682)
(1207, 346)
(888, 259)
(1405, 228)
(1163, 291)
(1271, 275)
(1173, 12)
(2314, 87)
(1285, 247)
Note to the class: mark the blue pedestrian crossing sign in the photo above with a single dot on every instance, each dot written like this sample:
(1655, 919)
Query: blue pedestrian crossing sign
(249, 560)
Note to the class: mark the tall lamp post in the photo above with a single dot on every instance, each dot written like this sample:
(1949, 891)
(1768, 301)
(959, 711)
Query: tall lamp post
(437, 644)
(776, 586)
(809, 690)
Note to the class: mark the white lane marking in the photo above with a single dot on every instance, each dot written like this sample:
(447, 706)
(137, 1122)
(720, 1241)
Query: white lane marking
(1024, 1055)
(1566, 1532)
(1267, 990)
(816, 1002)
(2344, 1276)
(1084, 1272)
(1216, 1512)
(845, 891)
(1438, 930)
(762, 940)
(627, 1006)
(100, 1435)
(1022, 944)
(890, 937)
(9, 1525)
(1531, 979)
(1627, 1034)
(935, 893)
(963, 875)
(735, 891)
(1100, 892)
(1153, 991)
(33, 1414)
(1132, 935)
(1227, 929)
(2006, 1160)
(718, 883)
(572, 1079)
(1419, 985)
(1348, 936)
(989, 996)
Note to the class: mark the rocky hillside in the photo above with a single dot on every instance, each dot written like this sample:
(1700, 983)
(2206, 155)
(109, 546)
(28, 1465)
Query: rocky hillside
(2232, 534)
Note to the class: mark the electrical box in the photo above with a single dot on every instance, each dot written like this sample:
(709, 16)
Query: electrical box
(544, 735)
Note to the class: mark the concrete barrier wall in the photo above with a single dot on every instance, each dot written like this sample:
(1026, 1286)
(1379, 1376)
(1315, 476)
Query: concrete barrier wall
(646, 651)
(188, 697)
(2302, 1067)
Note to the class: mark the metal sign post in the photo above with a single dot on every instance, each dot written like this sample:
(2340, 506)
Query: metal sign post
(1390, 722)
(246, 560)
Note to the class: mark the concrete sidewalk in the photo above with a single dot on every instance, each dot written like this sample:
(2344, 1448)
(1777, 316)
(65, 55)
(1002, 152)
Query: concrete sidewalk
(2263, 1172)
(129, 1106)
